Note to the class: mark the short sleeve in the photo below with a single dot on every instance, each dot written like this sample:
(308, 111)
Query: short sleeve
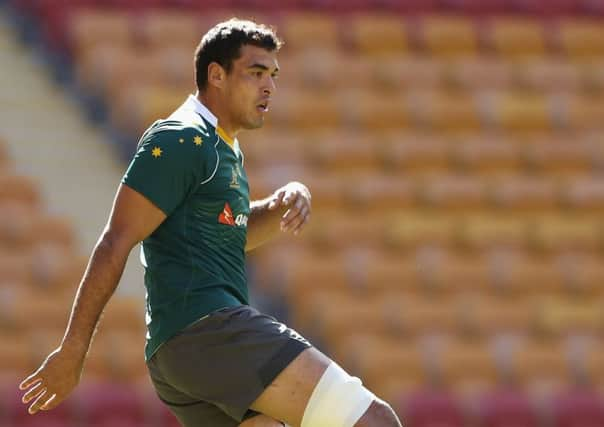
(169, 164)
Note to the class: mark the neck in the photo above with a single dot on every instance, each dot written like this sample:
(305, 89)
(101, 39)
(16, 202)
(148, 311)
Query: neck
(217, 108)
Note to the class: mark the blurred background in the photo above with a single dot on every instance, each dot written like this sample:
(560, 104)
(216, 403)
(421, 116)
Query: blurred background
(454, 152)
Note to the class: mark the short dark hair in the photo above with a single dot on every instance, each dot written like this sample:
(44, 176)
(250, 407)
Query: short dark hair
(222, 44)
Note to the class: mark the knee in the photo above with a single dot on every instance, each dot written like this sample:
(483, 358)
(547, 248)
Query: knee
(379, 414)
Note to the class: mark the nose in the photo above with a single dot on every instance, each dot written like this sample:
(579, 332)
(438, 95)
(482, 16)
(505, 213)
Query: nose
(268, 89)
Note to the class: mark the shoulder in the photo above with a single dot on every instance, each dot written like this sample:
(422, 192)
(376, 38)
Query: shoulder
(181, 138)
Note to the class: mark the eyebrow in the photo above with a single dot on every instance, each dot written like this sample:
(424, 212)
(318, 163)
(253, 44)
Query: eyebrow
(262, 67)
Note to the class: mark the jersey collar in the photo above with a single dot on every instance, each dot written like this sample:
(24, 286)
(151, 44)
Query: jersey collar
(193, 103)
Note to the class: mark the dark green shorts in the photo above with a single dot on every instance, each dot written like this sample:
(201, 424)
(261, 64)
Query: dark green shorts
(212, 371)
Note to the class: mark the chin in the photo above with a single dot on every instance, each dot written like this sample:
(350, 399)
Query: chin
(255, 124)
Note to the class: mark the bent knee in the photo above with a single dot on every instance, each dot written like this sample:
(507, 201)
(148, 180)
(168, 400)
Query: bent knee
(379, 414)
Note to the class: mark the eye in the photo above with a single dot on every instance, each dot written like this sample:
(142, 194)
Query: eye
(258, 74)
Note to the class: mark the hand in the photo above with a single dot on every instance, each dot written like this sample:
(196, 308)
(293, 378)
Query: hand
(296, 196)
(58, 375)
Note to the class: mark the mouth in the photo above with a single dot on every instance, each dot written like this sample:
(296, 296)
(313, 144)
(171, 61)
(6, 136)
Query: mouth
(262, 106)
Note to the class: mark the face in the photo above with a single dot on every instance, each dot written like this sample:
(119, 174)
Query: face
(250, 86)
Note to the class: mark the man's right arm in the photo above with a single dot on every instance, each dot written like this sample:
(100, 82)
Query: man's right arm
(132, 219)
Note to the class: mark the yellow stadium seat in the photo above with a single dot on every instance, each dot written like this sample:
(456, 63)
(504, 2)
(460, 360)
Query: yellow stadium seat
(373, 111)
(298, 109)
(413, 153)
(91, 26)
(468, 366)
(338, 231)
(377, 34)
(568, 232)
(483, 232)
(521, 112)
(419, 314)
(171, 28)
(125, 314)
(517, 37)
(454, 192)
(525, 193)
(583, 274)
(486, 155)
(573, 157)
(346, 152)
(302, 31)
(446, 112)
(16, 227)
(541, 367)
(20, 189)
(314, 273)
(396, 72)
(549, 75)
(581, 38)
(449, 36)
(584, 194)
(480, 73)
(447, 273)
(384, 273)
(482, 315)
(380, 193)
(411, 231)
(584, 112)
(558, 316)
(523, 275)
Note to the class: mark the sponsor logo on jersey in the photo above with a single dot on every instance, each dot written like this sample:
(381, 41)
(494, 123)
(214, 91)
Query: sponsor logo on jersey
(226, 217)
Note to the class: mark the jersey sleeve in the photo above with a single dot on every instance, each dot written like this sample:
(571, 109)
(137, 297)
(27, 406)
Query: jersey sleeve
(169, 165)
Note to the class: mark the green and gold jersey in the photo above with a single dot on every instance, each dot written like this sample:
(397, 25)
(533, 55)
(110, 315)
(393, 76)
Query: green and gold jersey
(195, 260)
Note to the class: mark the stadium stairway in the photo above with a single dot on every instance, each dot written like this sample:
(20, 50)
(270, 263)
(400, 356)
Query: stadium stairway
(51, 141)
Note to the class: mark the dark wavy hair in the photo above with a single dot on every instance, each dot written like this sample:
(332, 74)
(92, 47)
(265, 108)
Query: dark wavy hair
(222, 44)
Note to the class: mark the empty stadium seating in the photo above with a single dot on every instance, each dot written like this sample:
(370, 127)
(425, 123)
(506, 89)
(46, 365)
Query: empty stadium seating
(455, 162)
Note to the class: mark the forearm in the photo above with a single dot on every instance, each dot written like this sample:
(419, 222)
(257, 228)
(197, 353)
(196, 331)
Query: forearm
(263, 224)
(102, 275)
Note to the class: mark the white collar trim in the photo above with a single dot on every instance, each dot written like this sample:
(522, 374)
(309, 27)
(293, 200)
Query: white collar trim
(194, 104)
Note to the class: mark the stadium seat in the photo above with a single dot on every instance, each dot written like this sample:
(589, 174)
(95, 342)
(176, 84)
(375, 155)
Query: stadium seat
(384, 274)
(486, 156)
(298, 109)
(433, 407)
(337, 231)
(110, 404)
(516, 37)
(541, 367)
(346, 153)
(568, 232)
(583, 112)
(574, 408)
(489, 315)
(480, 73)
(447, 272)
(377, 34)
(582, 274)
(312, 274)
(449, 36)
(91, 26)
(302, 31)
(125, 314)
(396, 72)
(547, 75)
(454, 192)
(412, 315)
(446, 112)
(412, 231)
(159, 29)
(581, 38)
(519, 112)
(483, 232)
(524, 193)
(521, 274)
(380, 193)
(415, 153)
(367, 110)
(557, 317)
(584, 194)
(503, 407)
(553, 157)
(468, 366)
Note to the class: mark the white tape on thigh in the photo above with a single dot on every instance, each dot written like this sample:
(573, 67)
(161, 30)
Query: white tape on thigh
(338, 400)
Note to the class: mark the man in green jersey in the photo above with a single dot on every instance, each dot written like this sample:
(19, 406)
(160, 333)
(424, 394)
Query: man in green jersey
(213, 359)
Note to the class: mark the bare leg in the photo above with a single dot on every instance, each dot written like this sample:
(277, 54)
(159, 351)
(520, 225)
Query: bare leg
(261, 421)
(286, 398)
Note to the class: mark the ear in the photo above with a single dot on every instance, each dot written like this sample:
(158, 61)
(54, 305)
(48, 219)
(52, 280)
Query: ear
(216, 75)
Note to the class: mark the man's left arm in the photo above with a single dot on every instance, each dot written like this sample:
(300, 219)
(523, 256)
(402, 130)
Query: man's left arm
(286, 210)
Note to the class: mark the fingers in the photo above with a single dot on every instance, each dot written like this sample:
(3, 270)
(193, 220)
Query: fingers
(40, 401)
(33, 392)
(295, 223)
(276, 201)
(29, 381)
(51, 403)
(292, 213)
